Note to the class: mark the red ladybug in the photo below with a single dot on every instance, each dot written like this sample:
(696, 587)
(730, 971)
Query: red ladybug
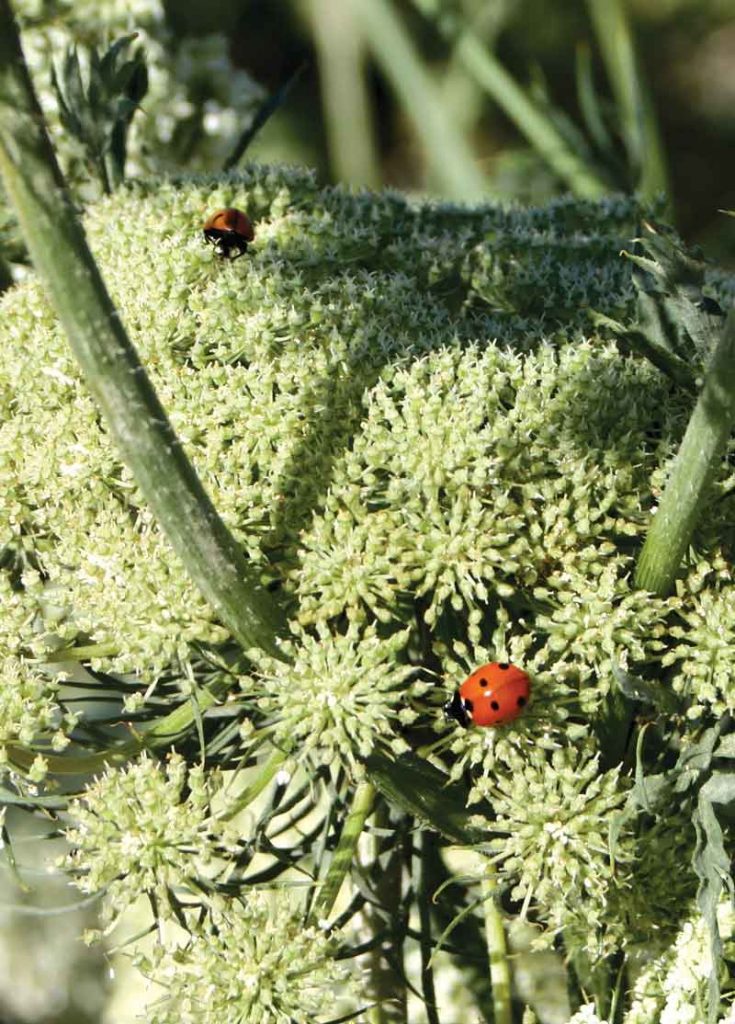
(229, 231)
(493, 695)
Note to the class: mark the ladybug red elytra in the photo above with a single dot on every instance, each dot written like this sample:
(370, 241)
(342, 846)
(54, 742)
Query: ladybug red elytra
(492, 695)
(229, 231)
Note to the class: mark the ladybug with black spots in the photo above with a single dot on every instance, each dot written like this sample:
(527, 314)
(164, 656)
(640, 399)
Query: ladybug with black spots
(229, 231)
(494, 694)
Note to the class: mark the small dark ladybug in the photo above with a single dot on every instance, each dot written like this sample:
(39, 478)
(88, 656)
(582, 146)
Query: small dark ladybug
(492, 695)
(229, 231)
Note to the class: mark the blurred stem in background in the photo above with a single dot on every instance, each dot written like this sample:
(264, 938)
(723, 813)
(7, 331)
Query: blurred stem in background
(588, 166)
(451, 162)
(579, 176)
(636, 114)
(463, 96)
(348, 112)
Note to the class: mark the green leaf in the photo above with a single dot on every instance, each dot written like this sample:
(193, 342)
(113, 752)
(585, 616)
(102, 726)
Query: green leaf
(8, 796)
(645, 691)
(712, 866)
(695, 759)
(719, 788)
(108, 62)
(363, 803)
(425, 793)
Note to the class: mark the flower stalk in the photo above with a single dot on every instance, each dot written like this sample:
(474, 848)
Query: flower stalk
(685, 494)
(363, 803)
(497, 950)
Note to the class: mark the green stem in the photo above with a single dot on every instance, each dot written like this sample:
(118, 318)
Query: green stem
(497, 951)
(428, 852)
(256, 787)
(450, 158)
(385, 984)
(133, 414)
(685, 494)
(490, 74)
(637, 114)
(362, 807)
(348, 113)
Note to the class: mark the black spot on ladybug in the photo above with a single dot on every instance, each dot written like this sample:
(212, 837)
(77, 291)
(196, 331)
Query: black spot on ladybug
(503, 665)
(521, 702)
(494, 705)
(483, 682)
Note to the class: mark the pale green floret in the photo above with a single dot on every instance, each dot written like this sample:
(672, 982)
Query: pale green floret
(339, 695)
(146, 829)
(553, 812)
(704, 651)
(29, 708)
(253, 962)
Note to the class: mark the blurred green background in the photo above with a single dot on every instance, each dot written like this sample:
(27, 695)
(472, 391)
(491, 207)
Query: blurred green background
(350, 116)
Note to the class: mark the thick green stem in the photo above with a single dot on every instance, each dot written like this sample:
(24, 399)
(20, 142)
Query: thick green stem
(685, 495)
(497, 951)
(134, 416)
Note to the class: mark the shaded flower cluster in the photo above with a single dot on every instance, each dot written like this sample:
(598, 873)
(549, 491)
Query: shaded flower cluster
(361, 446)
(147, 828)
(249, 962)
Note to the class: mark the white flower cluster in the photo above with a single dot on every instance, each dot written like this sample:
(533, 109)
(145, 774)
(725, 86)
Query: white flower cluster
(672, 989)
(145, 829)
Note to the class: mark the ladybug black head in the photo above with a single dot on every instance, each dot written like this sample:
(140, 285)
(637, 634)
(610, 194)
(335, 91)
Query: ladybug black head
(459, 710)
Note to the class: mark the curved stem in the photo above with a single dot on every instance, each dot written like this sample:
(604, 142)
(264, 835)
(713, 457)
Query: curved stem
(111, 367)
